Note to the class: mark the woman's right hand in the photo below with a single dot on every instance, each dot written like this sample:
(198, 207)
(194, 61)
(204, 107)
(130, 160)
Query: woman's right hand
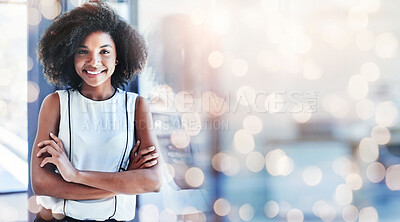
(144, 158)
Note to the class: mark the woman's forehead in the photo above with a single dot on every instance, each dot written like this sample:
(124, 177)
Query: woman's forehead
(99, 39)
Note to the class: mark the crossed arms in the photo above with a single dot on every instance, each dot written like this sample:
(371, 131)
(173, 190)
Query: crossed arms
(143, 174)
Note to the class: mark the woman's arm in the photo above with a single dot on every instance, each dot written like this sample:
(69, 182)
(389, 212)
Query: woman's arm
(44, 180)
(133, 181)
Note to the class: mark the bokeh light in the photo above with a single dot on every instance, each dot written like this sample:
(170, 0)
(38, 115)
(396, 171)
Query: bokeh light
(312, 175)
(324, 210)
(149, 212)
(253, 124)
(354, 181)
(350, 213)
(368, 214)
(386, 114)
(368, 150)
(234, 167)
(381, 135)
(33, 90)
(278, 163)
(342, 166)
(33, 206)
(302, 116)
(180, 138)
(375, 172)
(393, 177)
(271, 209)
(221, 162)
(295, 215)
(194, 176)
(246, 212)
(215, 59)
(255, 162)
(243, 141)
(343, 195)
(50, 9)
(34, 16)
(222, 207)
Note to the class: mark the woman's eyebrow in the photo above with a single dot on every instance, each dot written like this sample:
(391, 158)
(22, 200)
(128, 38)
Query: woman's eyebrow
(103, 46)
(107, 45)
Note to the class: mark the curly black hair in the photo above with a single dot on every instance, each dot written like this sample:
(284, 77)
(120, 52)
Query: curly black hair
(61, 39)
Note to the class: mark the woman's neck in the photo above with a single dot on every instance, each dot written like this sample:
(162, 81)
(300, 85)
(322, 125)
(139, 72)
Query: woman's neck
(101, 92)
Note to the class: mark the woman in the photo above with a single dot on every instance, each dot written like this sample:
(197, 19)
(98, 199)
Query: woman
(85, 162)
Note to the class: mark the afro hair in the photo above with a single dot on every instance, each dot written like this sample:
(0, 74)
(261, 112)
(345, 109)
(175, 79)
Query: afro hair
(61, 39)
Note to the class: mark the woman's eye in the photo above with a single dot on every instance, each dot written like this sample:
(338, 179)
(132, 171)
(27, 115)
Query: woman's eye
(105, 52)
(82, 52)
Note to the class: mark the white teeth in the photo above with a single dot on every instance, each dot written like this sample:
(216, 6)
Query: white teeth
(93, 73)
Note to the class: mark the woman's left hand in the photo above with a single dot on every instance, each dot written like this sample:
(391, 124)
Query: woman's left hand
(58, 157)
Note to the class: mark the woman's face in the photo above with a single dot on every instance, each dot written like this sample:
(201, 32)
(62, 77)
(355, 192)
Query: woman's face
(95, 59)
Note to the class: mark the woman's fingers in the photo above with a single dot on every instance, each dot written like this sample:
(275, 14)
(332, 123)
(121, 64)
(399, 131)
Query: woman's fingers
(57, 140)
(46, 161)
(49, 143)
(149, 164)
(142, 152)
(134, 149)
(147, 158)
(49, 149)
(147, 150)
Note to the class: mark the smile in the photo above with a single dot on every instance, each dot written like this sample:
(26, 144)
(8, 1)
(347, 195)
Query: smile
(93, 74)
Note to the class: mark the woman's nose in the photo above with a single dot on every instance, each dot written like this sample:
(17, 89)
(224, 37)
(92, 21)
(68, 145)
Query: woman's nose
(94, 59)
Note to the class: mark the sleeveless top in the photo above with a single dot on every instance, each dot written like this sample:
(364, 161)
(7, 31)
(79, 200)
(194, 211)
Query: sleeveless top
(97, 136)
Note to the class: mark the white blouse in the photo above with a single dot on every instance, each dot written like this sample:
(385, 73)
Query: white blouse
(102, 137)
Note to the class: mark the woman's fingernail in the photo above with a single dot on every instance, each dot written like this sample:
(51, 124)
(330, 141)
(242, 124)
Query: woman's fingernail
(51, 134)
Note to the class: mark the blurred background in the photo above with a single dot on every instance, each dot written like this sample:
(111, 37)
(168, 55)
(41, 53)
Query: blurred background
(265, 110)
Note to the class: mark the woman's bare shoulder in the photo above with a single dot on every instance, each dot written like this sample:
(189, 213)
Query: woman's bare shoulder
(51, 102)
(141, 104)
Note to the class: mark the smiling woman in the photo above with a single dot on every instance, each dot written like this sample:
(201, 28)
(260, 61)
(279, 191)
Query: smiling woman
(95, 61)
(81, 171)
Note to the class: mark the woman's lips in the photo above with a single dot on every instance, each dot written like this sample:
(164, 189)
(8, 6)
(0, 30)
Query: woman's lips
(93, 74)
